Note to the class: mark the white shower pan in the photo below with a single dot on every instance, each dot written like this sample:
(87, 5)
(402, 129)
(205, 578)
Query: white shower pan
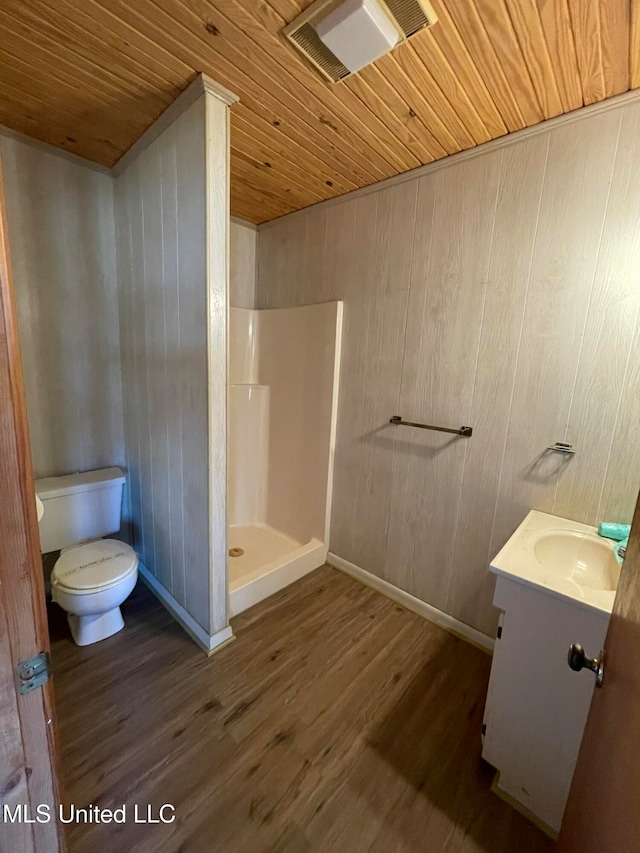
(270, 561)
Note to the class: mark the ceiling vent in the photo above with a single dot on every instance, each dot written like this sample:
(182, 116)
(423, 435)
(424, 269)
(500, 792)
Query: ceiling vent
(341, 36)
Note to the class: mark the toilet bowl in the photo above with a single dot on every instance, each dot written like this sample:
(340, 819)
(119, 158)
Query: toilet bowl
(90, 581)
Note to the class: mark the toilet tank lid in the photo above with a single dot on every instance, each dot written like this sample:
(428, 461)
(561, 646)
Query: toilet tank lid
(84, 481)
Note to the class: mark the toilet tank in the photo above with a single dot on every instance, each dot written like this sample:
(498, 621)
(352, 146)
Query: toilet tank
(79, 507)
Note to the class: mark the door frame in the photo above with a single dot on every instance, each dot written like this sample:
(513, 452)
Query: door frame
(29, 766)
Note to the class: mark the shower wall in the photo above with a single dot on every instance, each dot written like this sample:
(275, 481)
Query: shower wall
(248, 454)
(282, 400)
(248, 440)
(282, 415)
(298, 359)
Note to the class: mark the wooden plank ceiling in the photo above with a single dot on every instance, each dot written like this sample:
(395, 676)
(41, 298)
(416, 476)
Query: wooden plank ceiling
(91, 75)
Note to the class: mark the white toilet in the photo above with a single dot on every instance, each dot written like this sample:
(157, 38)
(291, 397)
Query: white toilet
(92, 576)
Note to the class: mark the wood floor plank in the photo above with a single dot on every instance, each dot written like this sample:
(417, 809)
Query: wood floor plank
(337, 720)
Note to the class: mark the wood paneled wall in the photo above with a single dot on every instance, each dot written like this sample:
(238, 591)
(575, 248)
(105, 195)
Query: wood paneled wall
(167, 243)
(501, 291)
(61, 229)
(243, 241)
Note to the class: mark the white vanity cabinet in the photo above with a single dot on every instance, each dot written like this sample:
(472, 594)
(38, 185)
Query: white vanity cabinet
(537, 706)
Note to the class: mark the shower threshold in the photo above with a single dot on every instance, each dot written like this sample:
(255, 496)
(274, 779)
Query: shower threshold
(270, 560)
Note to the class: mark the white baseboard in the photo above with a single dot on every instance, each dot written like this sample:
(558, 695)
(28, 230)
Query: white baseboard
(208, 643)
(412, 603)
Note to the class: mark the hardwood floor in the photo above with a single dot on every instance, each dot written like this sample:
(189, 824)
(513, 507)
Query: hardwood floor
(337, 721)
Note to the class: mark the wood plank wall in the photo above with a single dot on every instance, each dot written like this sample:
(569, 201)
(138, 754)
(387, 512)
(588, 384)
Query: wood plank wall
(503, 292)
(243, 241)
(61, 229)
(161, 225)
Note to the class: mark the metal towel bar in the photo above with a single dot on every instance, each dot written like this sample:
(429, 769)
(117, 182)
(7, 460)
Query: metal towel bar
(464, 430)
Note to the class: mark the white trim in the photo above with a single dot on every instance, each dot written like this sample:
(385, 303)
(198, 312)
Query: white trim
(432, 614)
(53, 149)
(618, 101)
(208, 643)
(333, 428)
(217, 344)
(220, 92)
(196, 89)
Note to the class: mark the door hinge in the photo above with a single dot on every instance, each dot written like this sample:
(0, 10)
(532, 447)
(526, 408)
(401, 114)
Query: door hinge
(499, 634)
(32, 673)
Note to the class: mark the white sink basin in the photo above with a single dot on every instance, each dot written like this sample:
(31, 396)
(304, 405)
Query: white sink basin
(581, 557)
(564, 557)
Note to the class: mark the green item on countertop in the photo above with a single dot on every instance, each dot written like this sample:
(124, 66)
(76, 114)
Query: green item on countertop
(614, 531)
(619, 545)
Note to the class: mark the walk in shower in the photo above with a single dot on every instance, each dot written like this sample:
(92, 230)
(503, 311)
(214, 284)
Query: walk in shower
(283, 371)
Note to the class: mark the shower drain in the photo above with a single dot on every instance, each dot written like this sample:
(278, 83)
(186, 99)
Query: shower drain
(236, 552)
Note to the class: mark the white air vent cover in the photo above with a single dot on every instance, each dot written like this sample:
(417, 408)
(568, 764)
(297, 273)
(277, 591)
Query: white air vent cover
(358, 32)
(331, 19)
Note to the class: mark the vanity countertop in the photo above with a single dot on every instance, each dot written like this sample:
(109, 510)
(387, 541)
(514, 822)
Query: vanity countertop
(563, 558)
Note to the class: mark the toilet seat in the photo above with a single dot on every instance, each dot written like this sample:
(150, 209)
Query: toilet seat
(94, 566)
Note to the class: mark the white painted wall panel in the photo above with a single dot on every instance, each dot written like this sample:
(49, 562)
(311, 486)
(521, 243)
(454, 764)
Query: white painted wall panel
(243, 241)
(452, 248)
(572, 209)
(61, 231)
(172, 265)
(501, 291)
(470, 587)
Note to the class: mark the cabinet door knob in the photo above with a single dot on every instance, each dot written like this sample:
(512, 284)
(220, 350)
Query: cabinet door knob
(578, 660)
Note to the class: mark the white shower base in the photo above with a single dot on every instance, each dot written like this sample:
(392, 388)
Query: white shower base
(271, 561)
